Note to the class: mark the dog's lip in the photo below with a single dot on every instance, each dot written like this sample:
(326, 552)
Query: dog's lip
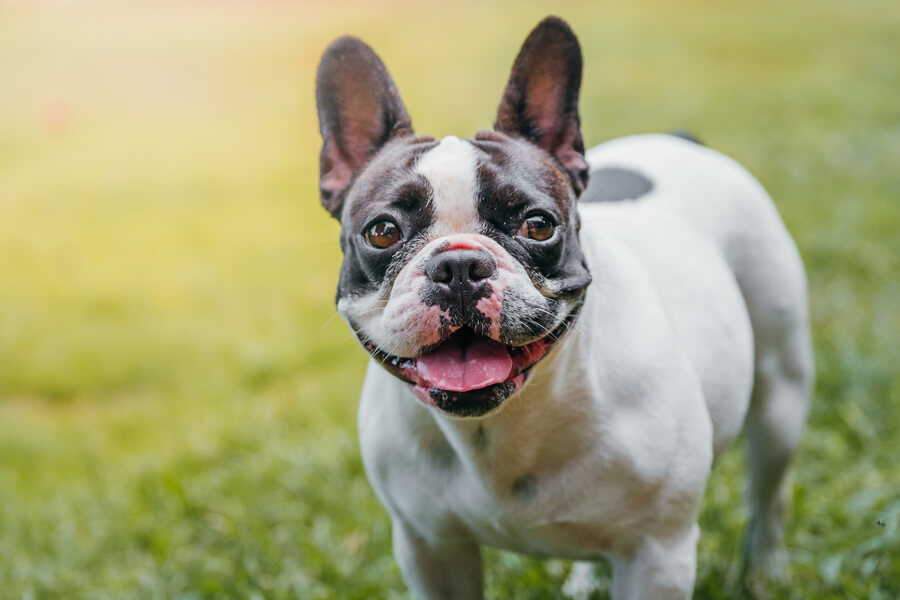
(524, 358)
(407, 368)
(474, 402)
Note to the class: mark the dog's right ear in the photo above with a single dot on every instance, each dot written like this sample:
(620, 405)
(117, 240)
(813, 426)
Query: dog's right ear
(359, 111)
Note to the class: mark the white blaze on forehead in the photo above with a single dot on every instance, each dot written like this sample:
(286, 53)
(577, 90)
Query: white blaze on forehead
(450, 170)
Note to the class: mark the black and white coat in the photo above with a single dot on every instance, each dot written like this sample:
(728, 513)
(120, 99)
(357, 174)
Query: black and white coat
(666, 310)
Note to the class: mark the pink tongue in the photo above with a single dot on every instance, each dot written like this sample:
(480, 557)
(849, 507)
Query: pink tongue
(459, 367)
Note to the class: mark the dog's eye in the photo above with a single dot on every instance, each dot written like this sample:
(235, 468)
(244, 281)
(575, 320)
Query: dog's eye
(382, 234)
(538, 227)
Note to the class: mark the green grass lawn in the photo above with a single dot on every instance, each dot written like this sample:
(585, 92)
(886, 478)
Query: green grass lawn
(177, 395)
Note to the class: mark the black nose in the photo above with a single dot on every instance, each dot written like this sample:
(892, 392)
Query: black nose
(459, 276)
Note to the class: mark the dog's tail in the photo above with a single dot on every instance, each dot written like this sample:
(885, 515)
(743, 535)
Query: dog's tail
(685, 135)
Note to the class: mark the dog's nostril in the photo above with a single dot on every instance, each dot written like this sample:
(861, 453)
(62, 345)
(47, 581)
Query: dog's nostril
(481, 268)
(440, 273)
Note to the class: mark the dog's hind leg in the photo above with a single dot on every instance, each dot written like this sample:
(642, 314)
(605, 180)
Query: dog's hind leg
(778, 408)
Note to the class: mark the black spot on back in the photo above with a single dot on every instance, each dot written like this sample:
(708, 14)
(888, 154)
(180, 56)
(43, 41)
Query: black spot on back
(525, 488)
(614, 184)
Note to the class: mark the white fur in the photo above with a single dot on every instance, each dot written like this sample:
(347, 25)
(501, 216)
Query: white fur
(697, 290)
(450, 170)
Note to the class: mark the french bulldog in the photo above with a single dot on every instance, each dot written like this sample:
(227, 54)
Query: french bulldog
(562, 342)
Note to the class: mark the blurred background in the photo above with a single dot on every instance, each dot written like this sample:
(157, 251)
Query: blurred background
(177, 395)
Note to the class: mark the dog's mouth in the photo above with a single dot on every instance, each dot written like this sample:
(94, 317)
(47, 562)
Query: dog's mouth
(467, 374)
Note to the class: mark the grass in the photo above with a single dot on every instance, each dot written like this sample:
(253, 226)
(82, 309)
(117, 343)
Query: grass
(177, 397)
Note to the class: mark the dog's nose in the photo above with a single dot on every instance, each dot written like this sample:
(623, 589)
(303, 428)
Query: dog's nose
(460, 275)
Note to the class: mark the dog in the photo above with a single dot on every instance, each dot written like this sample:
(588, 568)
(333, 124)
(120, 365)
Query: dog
(561, 342)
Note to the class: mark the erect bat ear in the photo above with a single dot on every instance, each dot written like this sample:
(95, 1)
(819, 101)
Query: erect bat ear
(360, 110)
(541, 99)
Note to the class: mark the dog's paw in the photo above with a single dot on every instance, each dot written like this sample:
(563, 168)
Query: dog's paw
(765, 559)
(582, 582)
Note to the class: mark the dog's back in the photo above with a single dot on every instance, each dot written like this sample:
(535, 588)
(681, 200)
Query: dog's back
(708, 196)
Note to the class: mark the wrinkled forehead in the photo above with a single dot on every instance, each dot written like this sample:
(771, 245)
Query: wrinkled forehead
(458, 184)
(512, 171)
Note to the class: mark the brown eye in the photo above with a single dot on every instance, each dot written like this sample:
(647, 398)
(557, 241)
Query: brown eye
(538, 227)
(382, 234)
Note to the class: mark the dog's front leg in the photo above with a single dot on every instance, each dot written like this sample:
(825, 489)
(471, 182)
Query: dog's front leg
(659, 569)
(438, 570)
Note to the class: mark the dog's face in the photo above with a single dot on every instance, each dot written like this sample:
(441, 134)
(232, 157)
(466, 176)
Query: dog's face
(461, 257)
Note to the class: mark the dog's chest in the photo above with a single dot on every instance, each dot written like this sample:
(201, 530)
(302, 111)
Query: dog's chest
(546, 498)
(536, 508)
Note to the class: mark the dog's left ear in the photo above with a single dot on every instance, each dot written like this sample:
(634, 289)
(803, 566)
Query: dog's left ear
(541, 99)
(360, 111)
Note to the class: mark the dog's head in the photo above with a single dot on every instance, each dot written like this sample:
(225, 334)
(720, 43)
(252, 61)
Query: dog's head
(462, 264)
